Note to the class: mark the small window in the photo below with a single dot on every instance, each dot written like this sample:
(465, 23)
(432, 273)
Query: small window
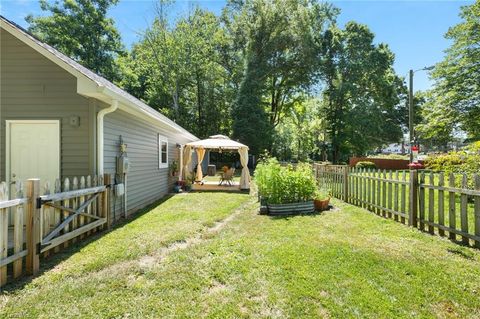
(162, 152)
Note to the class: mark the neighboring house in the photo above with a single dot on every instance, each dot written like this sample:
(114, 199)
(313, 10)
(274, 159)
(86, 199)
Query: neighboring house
(59, 119)
(396, 148)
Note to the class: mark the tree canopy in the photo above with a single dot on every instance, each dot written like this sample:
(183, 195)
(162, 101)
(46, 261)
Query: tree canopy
(363, 106)
(280, 76)
(81, 30)
(454, 102)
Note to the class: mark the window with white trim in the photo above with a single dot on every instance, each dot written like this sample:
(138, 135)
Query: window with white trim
(162, 151)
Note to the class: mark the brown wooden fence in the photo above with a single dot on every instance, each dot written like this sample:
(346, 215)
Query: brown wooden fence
(431, 202)
(34, 225)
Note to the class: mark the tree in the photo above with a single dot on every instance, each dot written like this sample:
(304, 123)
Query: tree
(81, 30)
(279, 61)
(363, 105)
(183, 69)
(300, 135)
(436, 123)
(456, 93)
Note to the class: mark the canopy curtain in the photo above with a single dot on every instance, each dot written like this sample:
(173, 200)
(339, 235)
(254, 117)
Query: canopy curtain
(187, 158)
(200, 155)
(245, 177)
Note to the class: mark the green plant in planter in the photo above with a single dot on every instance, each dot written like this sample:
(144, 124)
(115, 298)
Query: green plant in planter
(283, 185)
(321, 194)
(173, 168)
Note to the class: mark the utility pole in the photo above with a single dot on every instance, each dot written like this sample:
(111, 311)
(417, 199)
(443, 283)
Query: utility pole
(411, 111)
(411, 114)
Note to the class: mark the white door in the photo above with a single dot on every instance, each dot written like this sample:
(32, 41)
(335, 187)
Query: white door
(33, 151)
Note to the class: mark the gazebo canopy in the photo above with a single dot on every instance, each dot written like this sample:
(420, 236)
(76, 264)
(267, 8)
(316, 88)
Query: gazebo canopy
(217, 143)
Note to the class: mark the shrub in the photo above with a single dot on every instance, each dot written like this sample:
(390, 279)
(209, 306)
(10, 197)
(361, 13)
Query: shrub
(365, 164)
(282, 185)
(466, 161)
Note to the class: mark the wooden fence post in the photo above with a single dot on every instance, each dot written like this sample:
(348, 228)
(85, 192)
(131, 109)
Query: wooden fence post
(3, 233)
(33, 227)
(106, 200)
(412, 220)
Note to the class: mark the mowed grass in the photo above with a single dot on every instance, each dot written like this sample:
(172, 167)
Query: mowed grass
(174, 219)
(344, 263)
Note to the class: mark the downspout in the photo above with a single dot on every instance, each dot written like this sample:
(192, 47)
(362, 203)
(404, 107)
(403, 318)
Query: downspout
(100, 115)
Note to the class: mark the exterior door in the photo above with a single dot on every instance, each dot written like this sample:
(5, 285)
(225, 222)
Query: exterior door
(33, 151)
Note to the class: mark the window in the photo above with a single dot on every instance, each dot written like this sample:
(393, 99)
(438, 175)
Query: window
(162, 152)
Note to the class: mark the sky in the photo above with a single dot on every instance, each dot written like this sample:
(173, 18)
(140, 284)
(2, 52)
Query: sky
(414, 30)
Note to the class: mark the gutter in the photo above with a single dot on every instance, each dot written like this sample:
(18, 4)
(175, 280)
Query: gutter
(100, 115)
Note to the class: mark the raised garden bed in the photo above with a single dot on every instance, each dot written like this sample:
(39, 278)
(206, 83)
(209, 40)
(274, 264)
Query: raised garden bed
(291, 208)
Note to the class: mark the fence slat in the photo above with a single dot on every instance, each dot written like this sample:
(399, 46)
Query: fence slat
(451, 207)
(421, 202)
(441, 204)
(57, 212)
(413, 201)
(389, 195)
(431, 204)
(395, 196)
(384, 193)
(66, 203)
(80, 201)
(476, 209)
(464, 211)
(18, 232)
(403, 197)
(74, 205)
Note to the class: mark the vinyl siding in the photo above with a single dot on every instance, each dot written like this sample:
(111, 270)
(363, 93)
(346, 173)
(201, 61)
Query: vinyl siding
(146, 182)
(32, 87)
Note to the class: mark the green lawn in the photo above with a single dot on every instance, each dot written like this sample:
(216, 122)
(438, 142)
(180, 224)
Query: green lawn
(343, 263)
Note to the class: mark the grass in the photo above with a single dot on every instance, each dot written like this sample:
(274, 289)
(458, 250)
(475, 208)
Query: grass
(343, 263)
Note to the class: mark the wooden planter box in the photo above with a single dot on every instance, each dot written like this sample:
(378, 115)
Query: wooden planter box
(292, 208)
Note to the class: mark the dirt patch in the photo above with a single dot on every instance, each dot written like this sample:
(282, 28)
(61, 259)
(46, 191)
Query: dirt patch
(148, 262)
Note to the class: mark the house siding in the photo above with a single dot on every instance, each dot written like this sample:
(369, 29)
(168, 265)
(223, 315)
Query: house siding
(32, 87)
(146, 182)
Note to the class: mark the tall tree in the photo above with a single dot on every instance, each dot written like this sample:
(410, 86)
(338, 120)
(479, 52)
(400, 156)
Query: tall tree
(456, 92)
(279, 61)
(363, 95)
(81, 30)
(183, 69)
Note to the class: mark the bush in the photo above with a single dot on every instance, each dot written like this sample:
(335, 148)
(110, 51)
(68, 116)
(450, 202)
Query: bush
(365, 164)
(283, 185)
(466, 161)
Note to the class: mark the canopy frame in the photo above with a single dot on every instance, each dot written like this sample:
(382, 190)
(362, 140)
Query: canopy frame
(218, 143)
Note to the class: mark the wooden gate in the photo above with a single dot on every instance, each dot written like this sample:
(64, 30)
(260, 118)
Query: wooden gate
(35, 225)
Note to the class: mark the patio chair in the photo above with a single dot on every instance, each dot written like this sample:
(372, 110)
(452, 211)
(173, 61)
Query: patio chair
(227, 177)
